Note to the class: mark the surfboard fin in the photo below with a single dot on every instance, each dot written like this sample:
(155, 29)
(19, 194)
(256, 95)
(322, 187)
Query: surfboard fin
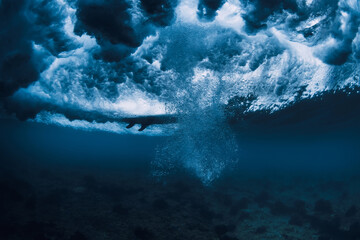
(130, 125)
(143, 126)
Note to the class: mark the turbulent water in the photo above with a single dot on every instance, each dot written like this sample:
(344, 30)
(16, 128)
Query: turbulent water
(179, 119)
(186, 57)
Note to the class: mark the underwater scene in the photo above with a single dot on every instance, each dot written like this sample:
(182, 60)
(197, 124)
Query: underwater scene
(180, 119)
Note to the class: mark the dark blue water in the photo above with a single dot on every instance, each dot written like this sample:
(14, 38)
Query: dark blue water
(179, 119)
(61, 183)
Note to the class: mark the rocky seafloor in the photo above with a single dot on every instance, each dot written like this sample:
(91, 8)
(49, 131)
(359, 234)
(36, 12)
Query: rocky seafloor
(78, 202)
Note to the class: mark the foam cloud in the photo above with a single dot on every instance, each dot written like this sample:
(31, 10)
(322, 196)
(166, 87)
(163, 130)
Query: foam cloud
(26, 25)
(207, 8)
(85, 64)
(340, 45)
(140, 57)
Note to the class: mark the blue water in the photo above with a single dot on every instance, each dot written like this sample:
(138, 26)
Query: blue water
(109, 184)
(179, 119)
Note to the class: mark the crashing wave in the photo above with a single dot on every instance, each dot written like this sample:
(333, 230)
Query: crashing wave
(187, 58)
